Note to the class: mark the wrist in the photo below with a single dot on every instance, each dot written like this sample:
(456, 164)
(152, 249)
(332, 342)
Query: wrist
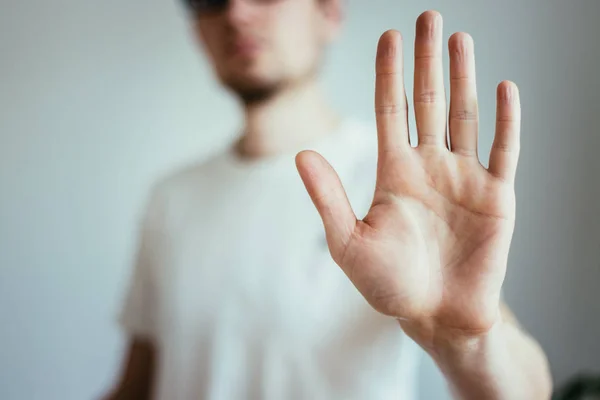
(457, 328)
(496, 363)
(456, 349)
(452, 346)
(479, 366)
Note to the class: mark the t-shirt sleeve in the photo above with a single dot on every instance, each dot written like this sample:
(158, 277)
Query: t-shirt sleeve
(138, 314)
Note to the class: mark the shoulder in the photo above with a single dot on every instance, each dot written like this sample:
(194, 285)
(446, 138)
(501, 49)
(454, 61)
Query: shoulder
(360, 130)
(358, 169)
(191, 176)
(361, 148)
(180, 188)
(361, 140)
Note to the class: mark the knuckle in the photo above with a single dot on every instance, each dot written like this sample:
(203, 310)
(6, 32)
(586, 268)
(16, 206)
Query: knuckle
(386, 109)
(428, 97)
(464, 115)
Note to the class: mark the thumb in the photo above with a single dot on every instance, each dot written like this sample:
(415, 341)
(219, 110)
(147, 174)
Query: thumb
(329, 197)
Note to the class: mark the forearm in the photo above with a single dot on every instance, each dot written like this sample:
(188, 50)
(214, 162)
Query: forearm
(503, 364)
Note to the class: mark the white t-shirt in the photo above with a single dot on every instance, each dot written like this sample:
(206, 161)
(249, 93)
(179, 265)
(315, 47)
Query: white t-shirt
(235, 285)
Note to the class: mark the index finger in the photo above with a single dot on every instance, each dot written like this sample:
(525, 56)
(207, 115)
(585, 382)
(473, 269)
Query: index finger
(391, 108)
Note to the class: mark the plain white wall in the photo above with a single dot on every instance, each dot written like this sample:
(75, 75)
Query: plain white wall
(98, 99)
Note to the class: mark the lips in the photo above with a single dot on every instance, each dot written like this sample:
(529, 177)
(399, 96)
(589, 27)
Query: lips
(243, 47)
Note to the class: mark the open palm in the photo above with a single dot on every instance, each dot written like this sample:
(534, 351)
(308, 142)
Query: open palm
(433, 248)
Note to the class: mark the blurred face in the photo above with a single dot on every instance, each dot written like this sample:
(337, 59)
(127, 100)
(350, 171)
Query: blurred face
(257, 47)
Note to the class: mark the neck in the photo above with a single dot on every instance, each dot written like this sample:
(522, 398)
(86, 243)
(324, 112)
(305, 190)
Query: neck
(294, 116)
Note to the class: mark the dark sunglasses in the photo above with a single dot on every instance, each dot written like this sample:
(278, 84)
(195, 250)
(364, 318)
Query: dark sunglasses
(206, 6)
(212, 6)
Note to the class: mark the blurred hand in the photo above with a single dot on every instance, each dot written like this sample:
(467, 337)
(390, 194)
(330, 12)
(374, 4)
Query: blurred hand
(433, 248)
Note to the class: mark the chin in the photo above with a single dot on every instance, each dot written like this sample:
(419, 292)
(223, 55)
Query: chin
(252, 89)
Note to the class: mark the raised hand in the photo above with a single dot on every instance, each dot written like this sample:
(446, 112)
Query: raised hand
(432, 250)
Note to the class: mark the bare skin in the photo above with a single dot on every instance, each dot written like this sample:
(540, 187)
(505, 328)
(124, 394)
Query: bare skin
(432, 251)
(137, 377)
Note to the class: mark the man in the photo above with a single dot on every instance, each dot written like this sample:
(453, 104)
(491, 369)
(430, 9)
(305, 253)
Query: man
(236, 293)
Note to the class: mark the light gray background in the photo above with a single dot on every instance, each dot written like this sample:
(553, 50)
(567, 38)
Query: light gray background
(98, 99)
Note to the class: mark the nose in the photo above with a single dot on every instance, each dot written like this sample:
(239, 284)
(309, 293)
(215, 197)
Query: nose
(240, 12)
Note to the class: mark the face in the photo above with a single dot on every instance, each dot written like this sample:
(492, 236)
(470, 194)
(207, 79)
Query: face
(256, 47)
